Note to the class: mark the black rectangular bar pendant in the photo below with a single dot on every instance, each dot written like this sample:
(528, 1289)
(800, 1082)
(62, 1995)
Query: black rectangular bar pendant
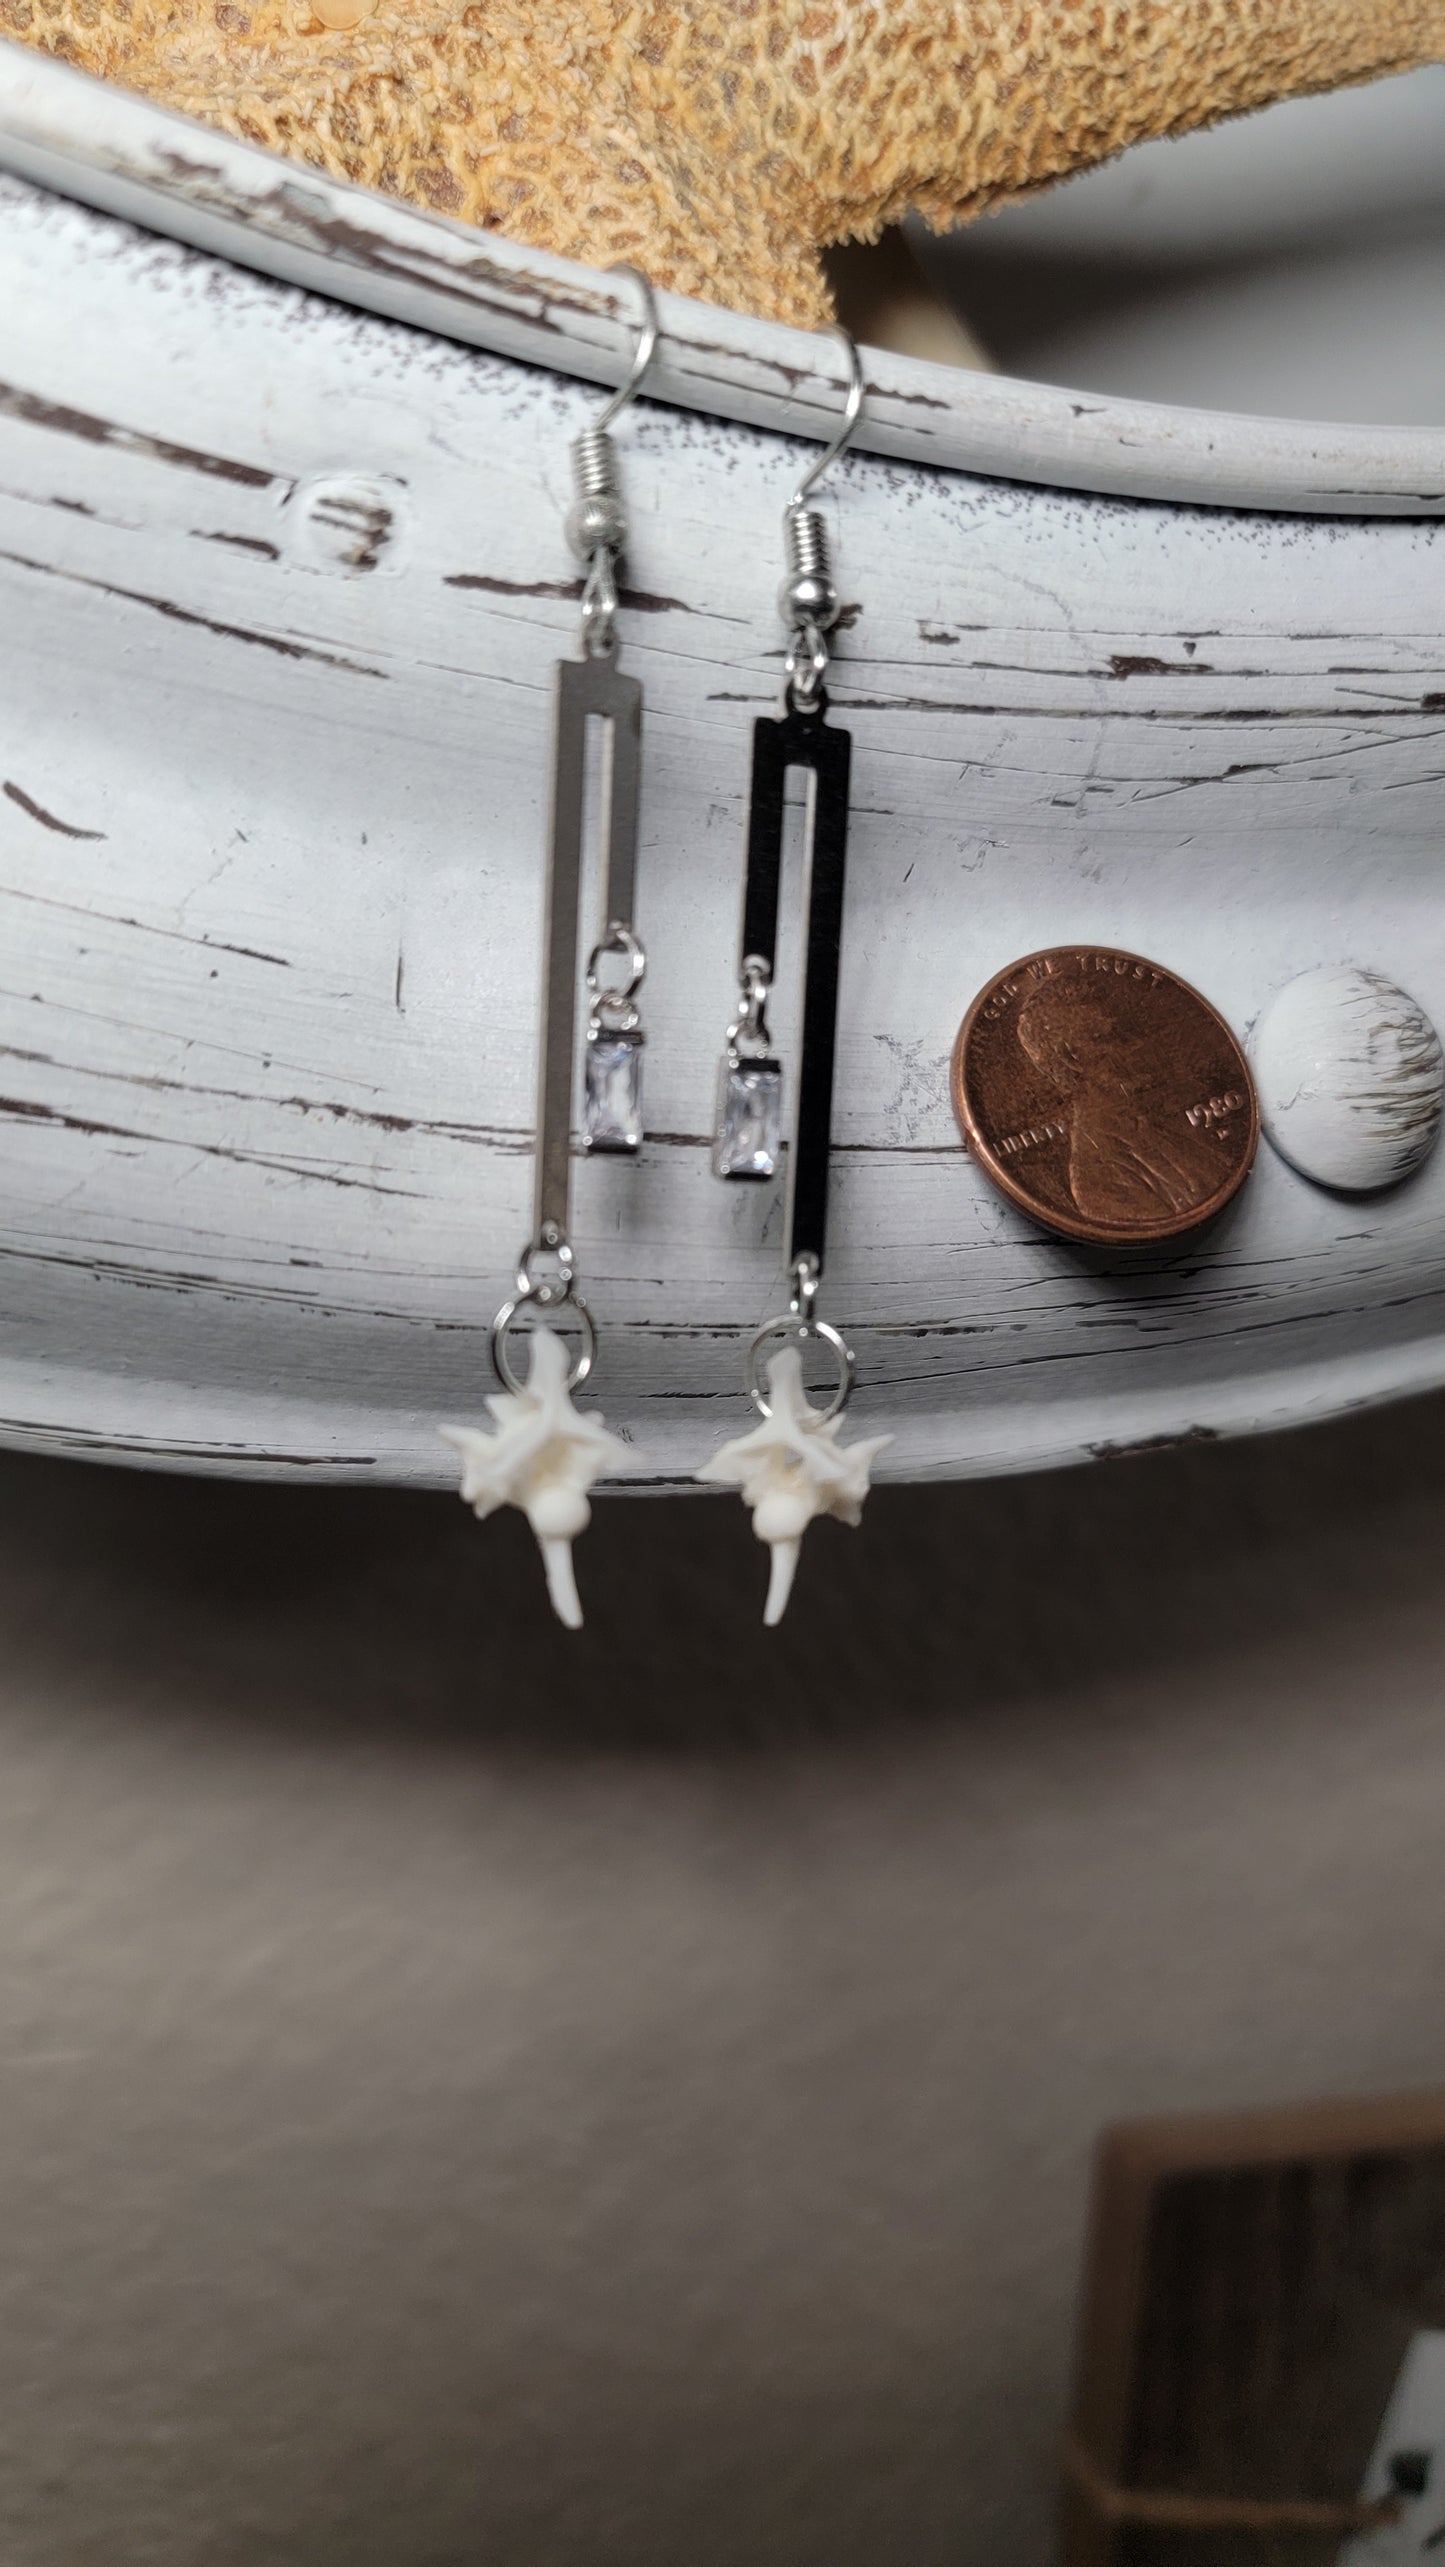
(583, 687)
(824, 753)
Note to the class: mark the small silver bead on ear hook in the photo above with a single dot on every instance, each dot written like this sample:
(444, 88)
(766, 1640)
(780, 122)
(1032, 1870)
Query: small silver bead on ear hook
(808, 601)
(597, 520)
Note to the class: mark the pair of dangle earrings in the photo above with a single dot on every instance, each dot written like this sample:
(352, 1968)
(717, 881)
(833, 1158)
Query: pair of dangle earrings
(543, 1454)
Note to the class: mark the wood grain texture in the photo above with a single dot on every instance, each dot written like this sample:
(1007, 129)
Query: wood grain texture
(1253, 2281)
(720, 145)
(283, 587)
(85, 139)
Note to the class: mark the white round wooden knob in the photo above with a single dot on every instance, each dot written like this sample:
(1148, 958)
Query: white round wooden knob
(1351, 1078)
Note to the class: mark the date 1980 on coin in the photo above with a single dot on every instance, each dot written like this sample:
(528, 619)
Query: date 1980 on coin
(1104, 1096)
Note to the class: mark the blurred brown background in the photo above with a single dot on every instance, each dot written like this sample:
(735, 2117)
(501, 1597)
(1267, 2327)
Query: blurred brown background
(476, 2094)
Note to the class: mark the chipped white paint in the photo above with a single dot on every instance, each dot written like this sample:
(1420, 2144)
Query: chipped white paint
(543, 1455)
(1351, 1078)
(115, 151)
(271, 829)
(792, 1468)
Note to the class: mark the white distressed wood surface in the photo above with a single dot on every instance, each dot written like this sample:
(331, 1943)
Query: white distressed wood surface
(111, 150)
(282, 586)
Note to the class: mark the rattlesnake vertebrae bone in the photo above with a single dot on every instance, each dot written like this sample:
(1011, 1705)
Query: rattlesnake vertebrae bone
(720, 144)
(790, 1469)
(543, 1456)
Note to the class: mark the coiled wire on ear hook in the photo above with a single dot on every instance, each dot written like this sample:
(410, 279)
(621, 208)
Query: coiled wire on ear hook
(597, 520)
(808, 600)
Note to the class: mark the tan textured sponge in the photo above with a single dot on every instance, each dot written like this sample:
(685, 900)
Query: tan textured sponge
(721, 144)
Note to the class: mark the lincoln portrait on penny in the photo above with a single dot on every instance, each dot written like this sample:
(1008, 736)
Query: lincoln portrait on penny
(1133, 1153)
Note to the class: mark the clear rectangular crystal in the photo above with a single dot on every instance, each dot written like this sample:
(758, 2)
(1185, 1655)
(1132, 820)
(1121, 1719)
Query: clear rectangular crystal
(749, 1137)
(612, 1100)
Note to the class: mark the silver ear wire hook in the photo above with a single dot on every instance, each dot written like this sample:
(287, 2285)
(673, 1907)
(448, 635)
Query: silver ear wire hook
(646, 345)
(856, 390)
(808, 601)
(597, 520)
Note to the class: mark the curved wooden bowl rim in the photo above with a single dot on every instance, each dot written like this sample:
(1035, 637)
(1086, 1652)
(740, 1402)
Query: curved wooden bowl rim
(85, 139)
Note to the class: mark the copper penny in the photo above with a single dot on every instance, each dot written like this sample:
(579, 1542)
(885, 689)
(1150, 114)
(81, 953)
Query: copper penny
(1103, 1095)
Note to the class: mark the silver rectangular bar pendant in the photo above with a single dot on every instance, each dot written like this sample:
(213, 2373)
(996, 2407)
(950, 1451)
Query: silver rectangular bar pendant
(583, 688)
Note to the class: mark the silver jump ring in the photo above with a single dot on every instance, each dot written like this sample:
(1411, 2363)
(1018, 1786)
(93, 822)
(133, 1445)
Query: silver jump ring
(548, 1291)
(804, 1274)
(506, 1319)
(791, 1324)
(599, 607)
(619, 939)
(749, 1031)
(804, 676)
